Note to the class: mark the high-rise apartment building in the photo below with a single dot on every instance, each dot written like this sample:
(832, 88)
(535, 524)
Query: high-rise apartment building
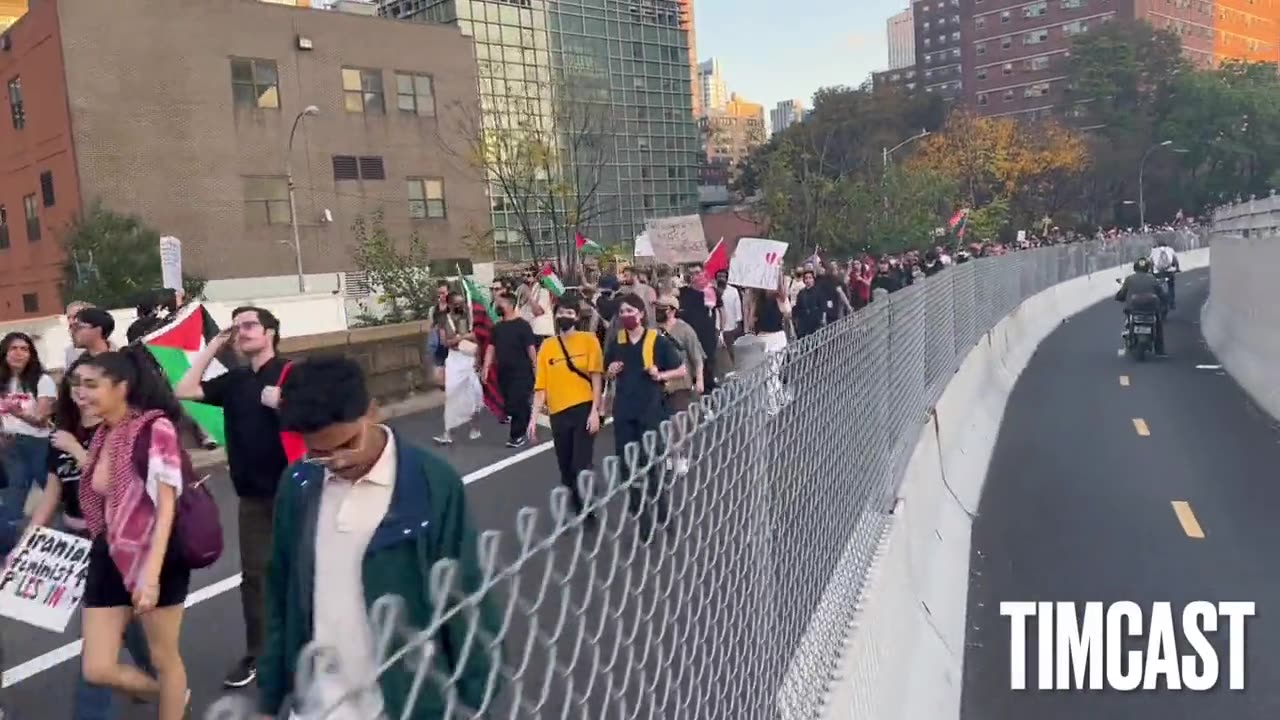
(940, 36)
(785, 114)
(902, 40)
(1016, 51)
(205, 160)
(715, 94)
(10, 11)
(733, 132)
(635, 57)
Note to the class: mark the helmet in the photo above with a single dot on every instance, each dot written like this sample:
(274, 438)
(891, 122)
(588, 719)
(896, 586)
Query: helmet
(1142, 265)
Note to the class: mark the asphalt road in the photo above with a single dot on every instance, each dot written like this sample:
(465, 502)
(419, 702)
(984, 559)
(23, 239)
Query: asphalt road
(1078, 507)
(40, 667)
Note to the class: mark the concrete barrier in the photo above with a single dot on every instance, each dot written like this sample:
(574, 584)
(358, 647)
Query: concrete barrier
(905, 660)
(1241, 320)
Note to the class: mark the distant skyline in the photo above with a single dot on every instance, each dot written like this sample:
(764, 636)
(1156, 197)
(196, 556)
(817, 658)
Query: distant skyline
(771, 52)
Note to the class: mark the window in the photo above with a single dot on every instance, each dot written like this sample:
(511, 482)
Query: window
(350, 167)
(1005, 17)
(1006, 43)
(955, 36)
(4, 228)
(46, 188)
(1006, 69)
(1035, 37)
(981, 48)
(362, 91)
(426, 198)
(982, 73)
(1074, 28)
(1072, 4)
(1036, 9)
(30, 303)
(33, 218)
(1008, 95)
(1037, 63)
(17, 110)
(255, 83)
(266, 201)
(982, 99)
(416, 94)
(979, 22)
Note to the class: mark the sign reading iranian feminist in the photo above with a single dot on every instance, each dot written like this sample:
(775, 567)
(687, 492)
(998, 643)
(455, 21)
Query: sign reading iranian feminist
(757, 263)
(677, 240)
(44, 580)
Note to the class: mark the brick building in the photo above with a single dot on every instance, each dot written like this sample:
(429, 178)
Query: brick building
(941, 35)
(180, 111)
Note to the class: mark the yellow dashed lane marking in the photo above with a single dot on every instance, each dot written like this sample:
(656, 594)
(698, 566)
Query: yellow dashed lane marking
(1124, 381)
(1187, 519)
(1140, 426)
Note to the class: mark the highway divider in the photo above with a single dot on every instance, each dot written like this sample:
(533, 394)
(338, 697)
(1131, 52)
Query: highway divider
(905, 657)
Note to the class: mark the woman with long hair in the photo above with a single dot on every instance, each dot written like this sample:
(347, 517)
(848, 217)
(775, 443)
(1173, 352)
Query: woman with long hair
(134, 475)
(60, 506)
(463, 393)
(26, 403)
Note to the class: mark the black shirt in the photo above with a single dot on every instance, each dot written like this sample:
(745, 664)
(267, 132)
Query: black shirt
(67, 470)
(255, 455)
(768, 316)
(694, 310)
(511, 342)
(637, 396)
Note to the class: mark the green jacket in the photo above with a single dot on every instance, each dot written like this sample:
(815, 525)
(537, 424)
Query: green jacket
(426, 521)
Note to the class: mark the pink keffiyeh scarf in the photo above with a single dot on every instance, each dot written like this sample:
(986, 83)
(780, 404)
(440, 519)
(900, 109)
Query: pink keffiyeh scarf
(126, 513)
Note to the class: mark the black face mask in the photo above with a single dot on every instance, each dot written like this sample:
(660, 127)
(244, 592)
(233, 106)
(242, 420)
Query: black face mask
(662, 314)
(722, 283)
(565, 324)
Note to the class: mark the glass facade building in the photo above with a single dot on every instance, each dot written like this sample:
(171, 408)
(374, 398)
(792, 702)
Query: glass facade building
(632, 56)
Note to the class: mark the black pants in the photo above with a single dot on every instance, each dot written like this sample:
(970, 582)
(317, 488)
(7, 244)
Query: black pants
(575, 447)
(255, 551)
(1172, 298)
(708, 362)
(647, 497)
(517, 399)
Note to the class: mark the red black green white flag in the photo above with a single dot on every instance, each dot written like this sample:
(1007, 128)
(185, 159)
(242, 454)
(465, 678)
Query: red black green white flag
(175, 345)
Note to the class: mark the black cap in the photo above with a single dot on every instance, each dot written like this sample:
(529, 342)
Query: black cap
(98, 318)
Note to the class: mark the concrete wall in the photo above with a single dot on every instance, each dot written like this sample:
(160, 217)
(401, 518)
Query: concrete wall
(1241, 320)
(393, 356)
(906, 658)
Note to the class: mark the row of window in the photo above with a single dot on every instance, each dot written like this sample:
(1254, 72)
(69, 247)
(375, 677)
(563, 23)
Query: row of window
(1034, 90)
(955, 37)
(266, 199)
(942, 21)
(941, 55)
(30, 212)
(1034, 64)
(255, 82)
(924, 6)
(1041, 35)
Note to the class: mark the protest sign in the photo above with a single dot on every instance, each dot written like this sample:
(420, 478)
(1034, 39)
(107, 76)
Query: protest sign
(757, 263)
(644, 248)
(171, 262)
(44, 581)
(677, 240)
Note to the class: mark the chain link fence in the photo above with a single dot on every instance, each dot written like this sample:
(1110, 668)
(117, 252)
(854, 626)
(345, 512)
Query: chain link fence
(739, 605)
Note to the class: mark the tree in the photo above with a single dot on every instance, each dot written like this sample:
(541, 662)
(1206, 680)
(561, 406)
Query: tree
(113, 260)
(544, 160)
(401, 277)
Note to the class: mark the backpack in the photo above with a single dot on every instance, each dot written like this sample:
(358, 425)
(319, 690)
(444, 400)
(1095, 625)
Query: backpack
(647, 344)
(195, 522)
(1164, 259)
(294, 448)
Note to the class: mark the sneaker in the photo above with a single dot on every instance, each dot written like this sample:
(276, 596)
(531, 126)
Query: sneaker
(506, 420)
(443, 439)
(211, 445)
(243, 673)
(517, 443)
(474, 434)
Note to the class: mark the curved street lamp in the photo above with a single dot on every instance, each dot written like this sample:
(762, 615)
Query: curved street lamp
(308, 111)
(1142, 166)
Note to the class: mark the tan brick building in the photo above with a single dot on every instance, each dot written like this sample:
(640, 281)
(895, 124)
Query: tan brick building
(181, 111)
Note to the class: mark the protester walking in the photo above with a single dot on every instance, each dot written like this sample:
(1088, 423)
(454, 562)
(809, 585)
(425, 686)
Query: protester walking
(463, 393)
(568, 384)
(680, 391)
(513, 351)
(136, 471)
(27, 394)
(248, 395)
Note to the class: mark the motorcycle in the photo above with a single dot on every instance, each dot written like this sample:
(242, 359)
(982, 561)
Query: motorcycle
(1140, 334)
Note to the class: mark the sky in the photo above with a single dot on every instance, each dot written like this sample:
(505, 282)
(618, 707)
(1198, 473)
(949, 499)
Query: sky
(771, 50)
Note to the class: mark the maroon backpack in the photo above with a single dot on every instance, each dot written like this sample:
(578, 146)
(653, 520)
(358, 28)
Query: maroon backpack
(196, 524)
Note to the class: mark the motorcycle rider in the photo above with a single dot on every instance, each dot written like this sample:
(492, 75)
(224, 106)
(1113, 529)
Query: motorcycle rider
(1143, 292)
(1164, 262)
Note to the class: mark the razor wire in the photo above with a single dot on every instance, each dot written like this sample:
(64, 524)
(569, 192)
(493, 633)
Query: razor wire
(737, 602)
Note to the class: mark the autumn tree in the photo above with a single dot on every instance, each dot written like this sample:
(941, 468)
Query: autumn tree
(544, 159)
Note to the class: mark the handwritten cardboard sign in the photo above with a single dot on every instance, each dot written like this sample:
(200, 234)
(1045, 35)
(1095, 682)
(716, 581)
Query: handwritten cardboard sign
(171, 262)
(757, 263)
(43, 583)
(677, 240)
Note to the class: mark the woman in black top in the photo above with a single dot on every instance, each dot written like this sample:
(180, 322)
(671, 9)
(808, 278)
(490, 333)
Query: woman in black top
(68, 452)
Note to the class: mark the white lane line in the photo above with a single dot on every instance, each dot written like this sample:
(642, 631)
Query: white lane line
(71, 650)
(1208, 367)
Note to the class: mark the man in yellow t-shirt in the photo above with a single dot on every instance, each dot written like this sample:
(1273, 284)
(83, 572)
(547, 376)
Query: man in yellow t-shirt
(569, 377)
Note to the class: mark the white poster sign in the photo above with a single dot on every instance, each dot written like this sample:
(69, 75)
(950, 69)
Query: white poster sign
(677, 240)
(644, 248)
(44, 580)
(171, 262)
(1022, 236)
(757, 263)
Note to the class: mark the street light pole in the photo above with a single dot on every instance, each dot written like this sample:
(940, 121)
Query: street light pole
(1142, 196)
(886, 152)
(310, 110)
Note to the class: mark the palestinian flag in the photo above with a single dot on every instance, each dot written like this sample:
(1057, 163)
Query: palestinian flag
(551, 281)
(175, 345)
(586, 246)
(483, 318)
(717, 261)
(958, 221)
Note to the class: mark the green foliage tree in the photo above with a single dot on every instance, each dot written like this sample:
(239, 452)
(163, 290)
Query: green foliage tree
(113, 259)
(989, 221)
(401, 275)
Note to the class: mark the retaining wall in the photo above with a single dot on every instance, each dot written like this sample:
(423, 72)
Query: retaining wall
(1241, 320)
(905, 660)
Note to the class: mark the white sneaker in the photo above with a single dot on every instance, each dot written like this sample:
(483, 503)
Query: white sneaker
(474, 434)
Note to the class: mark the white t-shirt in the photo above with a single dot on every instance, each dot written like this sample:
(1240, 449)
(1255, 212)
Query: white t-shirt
(45, 388)
(732, 300)
(1162, 258)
